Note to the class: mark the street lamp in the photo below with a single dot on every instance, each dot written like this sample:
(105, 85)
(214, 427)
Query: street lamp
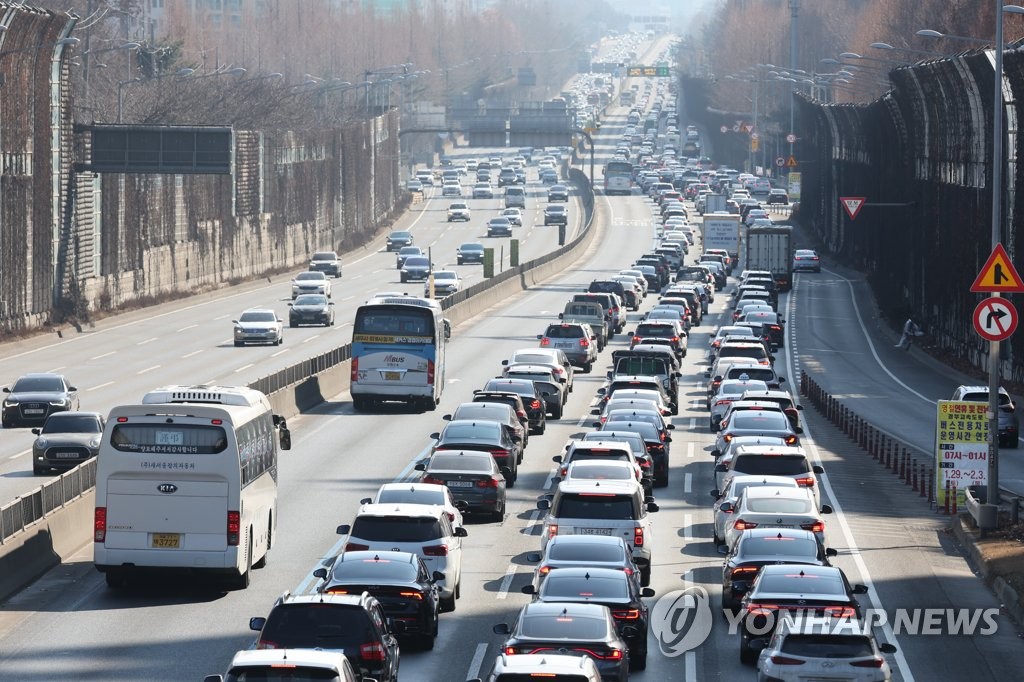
(887, 46)
(929, 33)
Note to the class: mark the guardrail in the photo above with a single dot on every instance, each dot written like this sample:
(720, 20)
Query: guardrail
(35, 505)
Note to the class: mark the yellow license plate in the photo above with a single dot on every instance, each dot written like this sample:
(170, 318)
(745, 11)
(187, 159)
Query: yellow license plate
(392, 376)
(166, 540)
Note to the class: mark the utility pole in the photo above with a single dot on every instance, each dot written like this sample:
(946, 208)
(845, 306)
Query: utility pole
(794, 17)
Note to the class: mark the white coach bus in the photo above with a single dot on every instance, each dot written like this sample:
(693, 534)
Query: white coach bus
(188, 480)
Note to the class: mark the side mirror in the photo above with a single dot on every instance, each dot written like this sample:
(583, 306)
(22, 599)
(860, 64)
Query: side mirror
(798, 430)
(502, 629)
(557, 459)
(668, 439)
(722, 549)
(38, 431)
(602, 390)
(652, 506)
(759, 644)
(831, 552)
(670, 427)
(213, 678)
(290, 305)
(320, 573)
(715, 494)
(818, 469)
(446, 417)
(437, 576)
(782, 380)
(727, 507)
(543, 505)
(420, 466)
(285, 438)
(344, 529)
(720, 468)
(860, 589)
(436, 435)
(887, 648)
(506, 472)
(7, 390)
(366, 500)
(595, 411)
(460, 532)
(647, 592)
(610, 374)
(826, 509)
(707, 375)
(533, 557)
(560, 316)
(540, 336)
(257, 623)
(462, 505)
(529, 589)
(596, 425)
(799, 407)
(397, 626)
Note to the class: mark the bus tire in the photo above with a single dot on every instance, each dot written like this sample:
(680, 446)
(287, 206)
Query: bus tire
(262, 563)
(241, 582)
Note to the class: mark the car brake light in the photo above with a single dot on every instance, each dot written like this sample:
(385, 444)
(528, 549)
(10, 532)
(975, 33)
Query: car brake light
(99, 525)
(871, 663)
(535, 404)
(487, 483)
(727, 437)
(431, 479)
(266, 644)
(740, 524)
(545, 341)
(675, 339)
(371, 651)
(430, 372)
(776, 328)
(585, 343)
(785, 660)
(626, 614)
(563, 471)
(354, 377)
(761, 609)
(840, 612)
(412, 595)
(521, 414)
(636, 339)
(638, 537)
(499, 452)
(816, 527)
(510, 651)
(356, 547)
(552, 530)
(436, 550)
(790, 440)
(544, 570)
(742, 571)
(805, 481)
(722, 401)
(234, 527)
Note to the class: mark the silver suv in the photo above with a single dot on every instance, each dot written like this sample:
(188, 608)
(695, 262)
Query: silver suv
(576, 339)
(611, 507)
(1008, 423)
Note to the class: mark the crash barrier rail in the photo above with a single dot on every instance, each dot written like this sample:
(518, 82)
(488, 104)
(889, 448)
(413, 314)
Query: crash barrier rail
(35, 505)
(49, 497)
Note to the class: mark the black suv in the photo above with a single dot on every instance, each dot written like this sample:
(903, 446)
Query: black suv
(607, 286)
(533, 401)
(354, 624)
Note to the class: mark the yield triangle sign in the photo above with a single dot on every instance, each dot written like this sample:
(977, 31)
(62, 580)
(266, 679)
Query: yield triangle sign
(852, 205)
(998, 274)
(747, 127)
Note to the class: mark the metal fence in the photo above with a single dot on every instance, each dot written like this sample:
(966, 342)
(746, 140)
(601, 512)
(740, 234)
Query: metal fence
(921, 155)
(25, 510)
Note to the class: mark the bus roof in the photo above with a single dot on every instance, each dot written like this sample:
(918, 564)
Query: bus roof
(206, 394)
(404, 300)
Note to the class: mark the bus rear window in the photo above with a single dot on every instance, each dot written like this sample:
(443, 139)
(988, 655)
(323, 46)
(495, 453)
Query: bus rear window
(394, 324)
(171, 439)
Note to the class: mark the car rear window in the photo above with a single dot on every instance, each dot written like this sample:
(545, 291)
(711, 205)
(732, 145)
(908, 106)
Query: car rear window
(756, 373)
(480, 429)
(760, 419)
(292, 673)
(655, 330)
(559, 584)
(600, 506)
(797, 583)
(780, 505)
(779, 545)
(590, 456)
(411, 496)
(596, 552)
(755, 352)
(396, 528)
(594, 472)
(648, 366)
(313, 626)
(827, 646)
(374, 570)
(481, 411)
(563, 627)
(442, 462)
(568, 331)
(771, 465)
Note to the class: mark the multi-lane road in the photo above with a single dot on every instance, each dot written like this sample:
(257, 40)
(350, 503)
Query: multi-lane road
(69, 625)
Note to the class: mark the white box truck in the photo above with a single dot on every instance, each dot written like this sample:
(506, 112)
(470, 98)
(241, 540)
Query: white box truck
(721, 231)
(771, 248)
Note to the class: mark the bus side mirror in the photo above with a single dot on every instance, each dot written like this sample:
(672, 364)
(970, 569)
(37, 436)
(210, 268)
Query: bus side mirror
(447, 329)
(285, 437)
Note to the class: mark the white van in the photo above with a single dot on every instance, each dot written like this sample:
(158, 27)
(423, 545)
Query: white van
(187, 480)
(515, 197)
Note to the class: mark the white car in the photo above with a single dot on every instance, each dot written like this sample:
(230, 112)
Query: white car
(728, 391)
(458, 211)
(446, 282)
(314, 664)
(311, 282)
(424, 530)
(811, 648)
(774, 507)
(451, 189)
(514, 215)
(731, 494)
(483, 190)
(419, 493)
(259, 325)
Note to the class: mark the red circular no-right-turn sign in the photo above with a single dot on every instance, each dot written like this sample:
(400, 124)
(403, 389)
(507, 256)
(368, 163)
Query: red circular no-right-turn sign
(995, 319)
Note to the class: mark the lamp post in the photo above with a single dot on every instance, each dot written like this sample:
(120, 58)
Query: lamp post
(887, 46)
(129, 46)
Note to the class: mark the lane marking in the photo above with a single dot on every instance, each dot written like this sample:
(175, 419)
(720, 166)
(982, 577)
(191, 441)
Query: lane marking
(149, 340)
(283, 350)
(688, 484)
(20, 454)
(314, 336)
(506, 582)
(478, 660)
(687, 529)
(690, 449)
(148, 369)
(96, 388)
(191, 326)
(193, 353)
(55, 369)
(103, 355)
(222, 317)
(244, 367)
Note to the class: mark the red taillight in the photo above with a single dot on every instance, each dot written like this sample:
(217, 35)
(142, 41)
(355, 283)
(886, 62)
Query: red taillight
(740, 524)
(545, 341)
(638, 537)
(790, 440)
(552, 530)
(510, 651)
(636, 339)
(742, 571)
(499, 452)
(535, 404)
(840, 612)
(372, 651)
(487, 483)
(266, 644)
(612, 655)
(356, 547)
(436, 550)
(761, 609)
(563, 471)
(354, 378)
(722, 401)
(675, 339)
(727, 437)
(418, 596)
(661, 435)
(431, 479)
(626, 614)
(430, 372)
(521, 414)
(585, 343)
(234, 528)
(785, 660)
(645, 464)
(99, 525)
(544, 570)
(872, 663)
(805, 481)
(776, 328)
(816, 527)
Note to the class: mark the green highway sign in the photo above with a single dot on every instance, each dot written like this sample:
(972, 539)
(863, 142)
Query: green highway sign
(647, 71)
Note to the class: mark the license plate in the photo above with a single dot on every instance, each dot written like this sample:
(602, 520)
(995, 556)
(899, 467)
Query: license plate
(460, 484)
(34, 411)
(392, 376)
(65, 455)
(595, 531)
(166, 540)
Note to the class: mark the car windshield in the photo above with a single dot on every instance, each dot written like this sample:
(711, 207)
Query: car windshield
(771, 465)
(442, 462)
(603, 506)
(325, 255)
(317, 626)
(755, 352)
(587, 586)
(410, 251)
(69, 422)
(396, 528)
(830, 646)
(258, 316)
(441, 274)
(532, 358)
(548, 626)
(646, 431)
(374, 570)
(26, 384)
(471, 247)
(302, 276)
(401, 235)
(778, 545)
(417, 262)
(311, 299)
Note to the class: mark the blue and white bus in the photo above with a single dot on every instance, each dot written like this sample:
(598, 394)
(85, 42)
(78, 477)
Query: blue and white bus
(398, 351)
(618, 178)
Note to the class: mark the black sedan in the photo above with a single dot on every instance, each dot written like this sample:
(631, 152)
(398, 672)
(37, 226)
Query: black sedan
(562, 627)
(311, 309)
(472, 477)
(34, 397)
(399, 580)
(470, 252)
(609, 587)
(533, 400)
(759, 547)
(821, 591)
(558, 193)
(398, 239)
(657, 443)
(556, 214)
(66, 440)
(482, 435)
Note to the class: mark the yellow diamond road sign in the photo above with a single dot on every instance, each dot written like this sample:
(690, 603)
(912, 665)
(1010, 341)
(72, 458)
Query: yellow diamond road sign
(998, 274)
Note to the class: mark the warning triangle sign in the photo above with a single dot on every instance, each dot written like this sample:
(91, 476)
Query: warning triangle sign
(998, 274)
(747, 127)
(852, 205)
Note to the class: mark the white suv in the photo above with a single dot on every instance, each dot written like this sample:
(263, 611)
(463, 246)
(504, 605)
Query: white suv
(523, 666)
(424, 530)
(617, 508)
